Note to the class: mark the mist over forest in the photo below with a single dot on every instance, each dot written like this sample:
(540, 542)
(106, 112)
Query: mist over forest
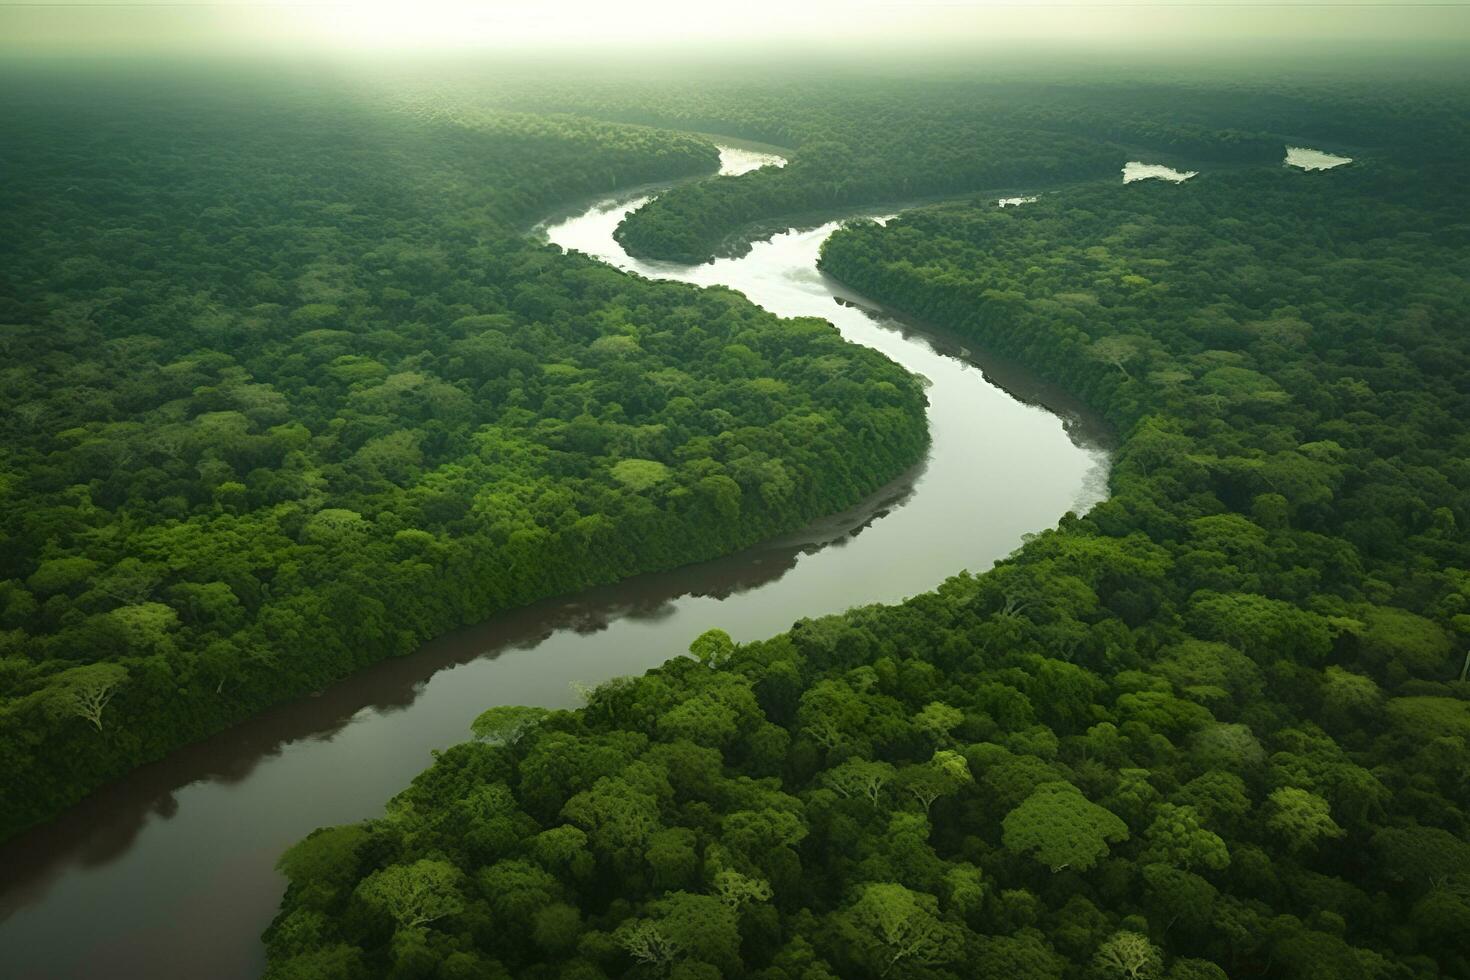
(787, 492)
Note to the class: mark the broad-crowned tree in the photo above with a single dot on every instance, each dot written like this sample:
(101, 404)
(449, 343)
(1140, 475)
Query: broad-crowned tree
(414, 894)
(1128, 956)
(1300, 818)
(893, 931)
(1061, 828)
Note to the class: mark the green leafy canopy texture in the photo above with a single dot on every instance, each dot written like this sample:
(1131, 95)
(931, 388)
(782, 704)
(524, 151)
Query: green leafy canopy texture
(275, 409)
(1061, 828)
(415, 894)
(1215, 727)
(288, 390)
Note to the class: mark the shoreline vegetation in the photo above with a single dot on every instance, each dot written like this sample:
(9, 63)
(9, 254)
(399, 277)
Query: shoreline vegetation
(1216, 727)
(274, 430)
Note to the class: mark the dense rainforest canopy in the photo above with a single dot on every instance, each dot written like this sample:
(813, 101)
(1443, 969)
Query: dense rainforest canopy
(879, 139)
(1217, 727)
(289, 390)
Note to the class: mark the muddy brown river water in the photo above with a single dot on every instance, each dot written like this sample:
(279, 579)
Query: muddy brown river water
(169, 873)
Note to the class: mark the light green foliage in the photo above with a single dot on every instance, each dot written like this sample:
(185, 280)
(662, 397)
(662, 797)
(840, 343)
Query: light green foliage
(1061, 828)
(700, 927)
(1399, 637)
(1129, 956)
(516, 891)
(926, 782)
(938, 720)
(640, 474)
(952, 765)
(1228, 746)
(1177, 838)
(736, 889)
(1240, 654)
(563, 849)
(965, 888)
(1431, 717)
(614, 813)
(85, 692)
(61, 574)
(832, 715)
(1349, 699)
(711, 718)
(334, 526)
(507, 724)
(647, 943)
(712, 647)
(324, 863)
(1119, 351)
(1212, 673)
(414, 894)
(324, 420)
(1262, 628)
(896, 930)
(143, 629)
(1300, 817)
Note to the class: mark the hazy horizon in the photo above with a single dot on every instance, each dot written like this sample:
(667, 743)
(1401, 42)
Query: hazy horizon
(1156, 29)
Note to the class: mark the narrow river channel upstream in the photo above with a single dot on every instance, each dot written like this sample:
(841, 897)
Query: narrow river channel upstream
(169, 873)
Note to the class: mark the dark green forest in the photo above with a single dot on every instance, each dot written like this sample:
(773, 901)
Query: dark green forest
(1216, 727)
(289, 390)
(885, 140)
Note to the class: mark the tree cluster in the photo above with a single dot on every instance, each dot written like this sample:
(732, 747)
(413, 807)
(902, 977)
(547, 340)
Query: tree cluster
(863, 140)
(1216, 727)
(288, 390)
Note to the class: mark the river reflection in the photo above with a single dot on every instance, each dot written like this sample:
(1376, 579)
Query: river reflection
(170, 872)
(1135, 170)
(1306, 158)
(105, 825)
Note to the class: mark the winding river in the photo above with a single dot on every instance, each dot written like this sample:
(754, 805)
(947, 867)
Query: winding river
(170, 872)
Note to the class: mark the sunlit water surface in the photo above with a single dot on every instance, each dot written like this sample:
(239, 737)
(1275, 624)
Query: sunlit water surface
(736, 160)
(1309, 159)
(1134, 170)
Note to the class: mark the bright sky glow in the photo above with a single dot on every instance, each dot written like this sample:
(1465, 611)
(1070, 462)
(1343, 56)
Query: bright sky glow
(518, 25)
(454, 23)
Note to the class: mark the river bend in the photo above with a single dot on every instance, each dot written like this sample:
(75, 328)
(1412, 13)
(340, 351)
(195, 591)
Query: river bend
(170, 871)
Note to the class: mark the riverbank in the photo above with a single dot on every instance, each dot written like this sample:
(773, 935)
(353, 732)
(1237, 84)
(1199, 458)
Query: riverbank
(997, 470)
